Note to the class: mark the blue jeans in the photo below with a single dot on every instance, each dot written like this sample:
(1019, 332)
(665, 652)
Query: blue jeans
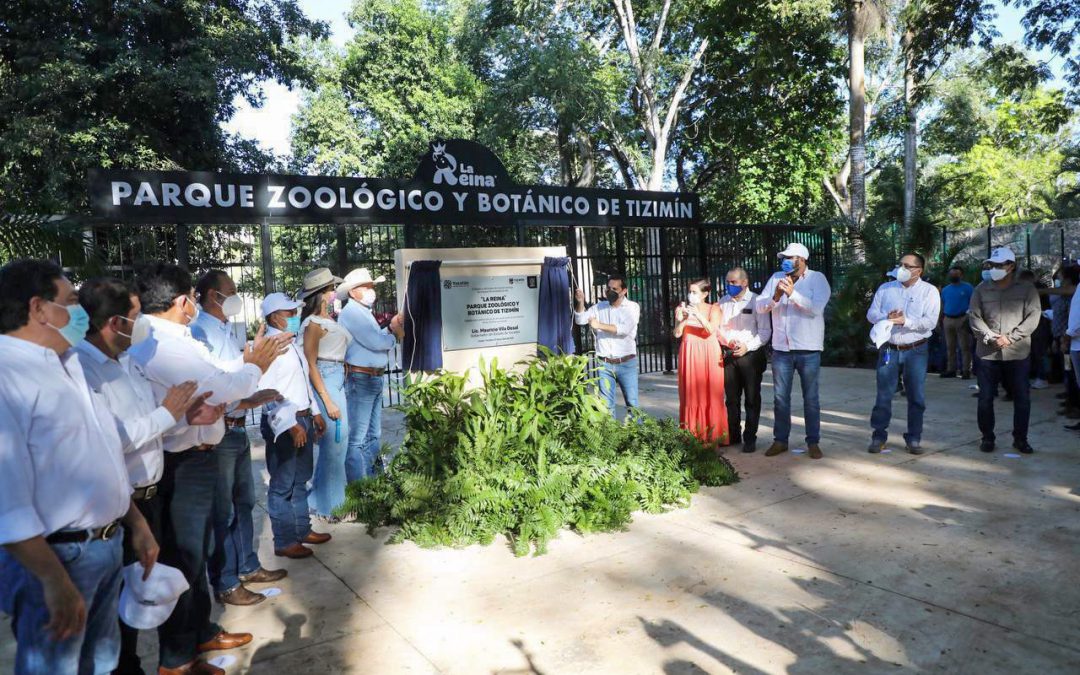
(234, 500)
(328, 485)
(1013, 376)
(624, 374)
(364, 395)
(914, 363)
(187, 491)
(290, 469)
(95, 569)
(784, 366)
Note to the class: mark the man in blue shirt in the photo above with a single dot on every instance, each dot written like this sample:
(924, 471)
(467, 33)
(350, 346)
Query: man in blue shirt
(366, 360)
(955, 298)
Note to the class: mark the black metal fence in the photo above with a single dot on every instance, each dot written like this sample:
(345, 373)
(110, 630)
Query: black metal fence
(659, 263)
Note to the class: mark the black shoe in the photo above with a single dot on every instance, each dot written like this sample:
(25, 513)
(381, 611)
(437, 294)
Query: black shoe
(749, 445)
(948, 374)
(986, 445)
(965, 376)
(1073, 427)
(1007, 398)
(1023, 447)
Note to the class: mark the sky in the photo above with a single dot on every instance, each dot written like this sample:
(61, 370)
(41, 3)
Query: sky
(270, 123)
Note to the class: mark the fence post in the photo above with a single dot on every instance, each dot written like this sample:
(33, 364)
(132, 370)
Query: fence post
(944, 244)
(989, 241)
(828, 254)
(1027, 244)
(702, 243)
(1062, 242)
(665, 301)
(266, 253)
(183, 248)
(342, 249)
(620, 249)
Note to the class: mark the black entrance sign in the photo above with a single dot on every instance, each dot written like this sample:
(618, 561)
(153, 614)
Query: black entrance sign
(457, 181)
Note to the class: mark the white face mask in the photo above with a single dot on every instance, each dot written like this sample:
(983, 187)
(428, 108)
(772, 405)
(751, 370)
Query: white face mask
(190, 317)
(997, 274)
(140, 330)
(231, 305)
(694, 298)
(367, 296)
(903, 274)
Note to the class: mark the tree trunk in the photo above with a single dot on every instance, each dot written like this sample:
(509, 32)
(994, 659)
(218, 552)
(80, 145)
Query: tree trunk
(857, 22)
(911, 134)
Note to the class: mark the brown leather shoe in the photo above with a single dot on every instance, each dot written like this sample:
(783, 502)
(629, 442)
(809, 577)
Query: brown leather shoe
(775, 449)
(240, 596)
(294, 551)
(815, 451)
(193, 668)
(316, 538)
(225, 640)
(264, 576)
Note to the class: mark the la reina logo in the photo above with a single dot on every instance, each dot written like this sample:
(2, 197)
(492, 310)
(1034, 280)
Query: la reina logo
(448, 171)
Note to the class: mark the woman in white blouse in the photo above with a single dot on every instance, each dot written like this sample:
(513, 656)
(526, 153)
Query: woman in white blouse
(324, 343)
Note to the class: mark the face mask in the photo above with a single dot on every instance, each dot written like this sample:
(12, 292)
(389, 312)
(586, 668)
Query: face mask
(191, 318)
(140, 330)
(954, 280)
(78, 323)
(694, 298)
(612, 296)
(292, 324)
(787, 266)
(734, 290)
(231, 305)
(997, 274)
(337, 306)
(986, 275)
(129, 336)
(903, 274)
(367, 296)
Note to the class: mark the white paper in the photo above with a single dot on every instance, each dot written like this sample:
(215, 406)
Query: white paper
(282, 416)
(881, 332)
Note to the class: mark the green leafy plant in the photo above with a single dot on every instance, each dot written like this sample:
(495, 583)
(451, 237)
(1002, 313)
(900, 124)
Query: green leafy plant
(528, 454)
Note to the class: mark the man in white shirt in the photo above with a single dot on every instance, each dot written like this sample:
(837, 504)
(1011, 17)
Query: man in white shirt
(290, 427)
(614, 323)
(113, 310)
(906, 311)
(796, 297)
(1072, 331)
(235, 561)
(63, 484)
(168, 356)
(746, 333)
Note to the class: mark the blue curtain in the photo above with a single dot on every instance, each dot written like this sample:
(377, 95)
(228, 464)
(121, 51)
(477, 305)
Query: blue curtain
(556, 320)
(423, 318)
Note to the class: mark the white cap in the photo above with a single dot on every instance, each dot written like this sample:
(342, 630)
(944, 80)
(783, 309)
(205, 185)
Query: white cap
(147, 604)
(1002, 255)
(278, 301)
(357, 277)
(794, 248)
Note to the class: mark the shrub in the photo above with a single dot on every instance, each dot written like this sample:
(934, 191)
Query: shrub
(529, 454)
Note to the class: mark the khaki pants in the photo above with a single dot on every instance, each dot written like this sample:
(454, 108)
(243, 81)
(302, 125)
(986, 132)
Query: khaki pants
(957, 330)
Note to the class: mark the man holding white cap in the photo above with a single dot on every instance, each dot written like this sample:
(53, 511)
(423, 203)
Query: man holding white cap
(1004, 313)
(365, 360)
(796, 297)
(905, 312)
(289, 427)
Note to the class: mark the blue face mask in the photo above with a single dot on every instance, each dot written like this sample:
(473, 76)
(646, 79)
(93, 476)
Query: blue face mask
(733, 290)
(787, 266)
(78, 323)
(292, 324)
(986, 275)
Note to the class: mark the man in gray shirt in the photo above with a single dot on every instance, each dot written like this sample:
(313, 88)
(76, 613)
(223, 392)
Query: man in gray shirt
(1004, 313)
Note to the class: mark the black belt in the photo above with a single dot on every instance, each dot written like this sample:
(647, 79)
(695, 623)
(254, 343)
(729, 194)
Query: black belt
(78, 536)
(904, 348)
(956, 316)
(144, 493)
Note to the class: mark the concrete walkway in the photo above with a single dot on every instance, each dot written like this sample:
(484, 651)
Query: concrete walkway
(954, 561)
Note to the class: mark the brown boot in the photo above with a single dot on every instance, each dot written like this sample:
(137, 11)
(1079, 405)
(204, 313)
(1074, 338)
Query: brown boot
(294, 551)
(264, 576)
(193, 668)
(814, 451)
(316, 538)
(225, 640)
(240, 596)
(776, 448)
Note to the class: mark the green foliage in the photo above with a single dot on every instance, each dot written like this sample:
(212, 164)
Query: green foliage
(529, 454)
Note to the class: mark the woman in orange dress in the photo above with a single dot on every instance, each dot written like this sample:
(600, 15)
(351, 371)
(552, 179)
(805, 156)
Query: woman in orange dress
(701, 369)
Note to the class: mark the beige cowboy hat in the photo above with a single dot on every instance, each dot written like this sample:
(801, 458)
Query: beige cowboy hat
(358, 277)
(317, 280)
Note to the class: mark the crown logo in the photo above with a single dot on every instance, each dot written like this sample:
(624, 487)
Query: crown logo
(439, 148)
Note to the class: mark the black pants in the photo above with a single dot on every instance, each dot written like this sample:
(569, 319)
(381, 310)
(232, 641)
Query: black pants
(1014, 377)
(129, 637)
(742, 378)
(187, 501)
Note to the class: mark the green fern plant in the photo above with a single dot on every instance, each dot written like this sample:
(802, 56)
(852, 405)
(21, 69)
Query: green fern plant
(531, 453)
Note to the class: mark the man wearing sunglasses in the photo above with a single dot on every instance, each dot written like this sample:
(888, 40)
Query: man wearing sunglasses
(1004, 314)
(904, 312)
